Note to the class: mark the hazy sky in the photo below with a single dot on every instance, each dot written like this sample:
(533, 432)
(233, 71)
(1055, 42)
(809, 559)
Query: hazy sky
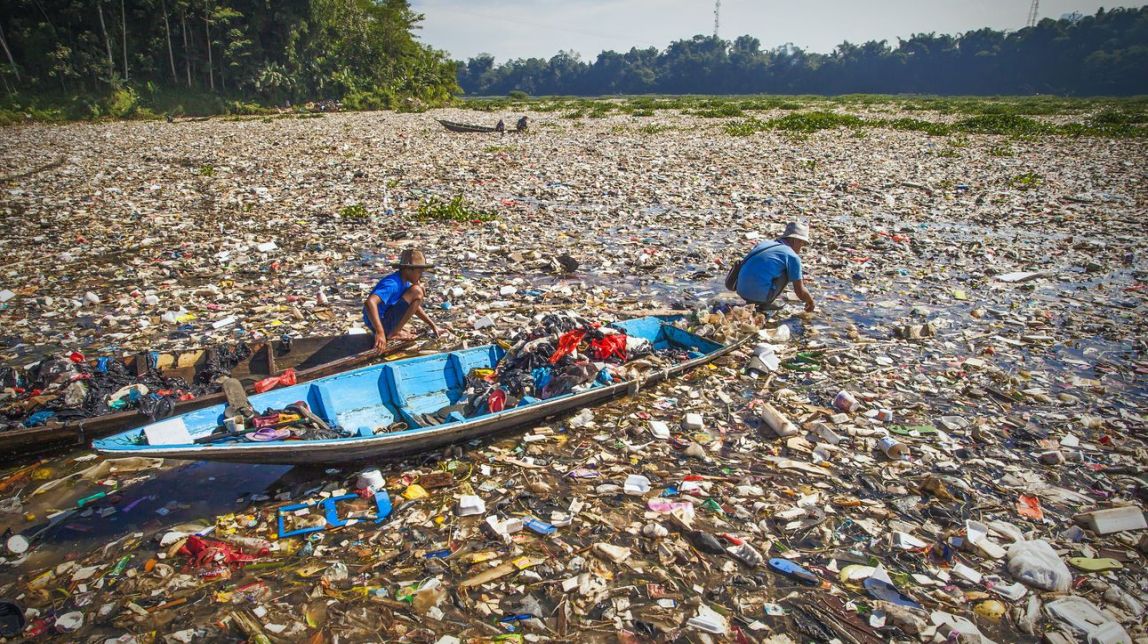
(540, 28)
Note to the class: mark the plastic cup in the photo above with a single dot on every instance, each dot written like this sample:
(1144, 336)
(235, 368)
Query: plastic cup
(893, 448)
(371, 480)
(845, 401)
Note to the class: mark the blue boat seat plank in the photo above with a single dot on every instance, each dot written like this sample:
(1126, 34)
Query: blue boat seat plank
(687, 340)
(429, 377)
(354, 400)
(477, 358)
(426, 385)
(651, 329)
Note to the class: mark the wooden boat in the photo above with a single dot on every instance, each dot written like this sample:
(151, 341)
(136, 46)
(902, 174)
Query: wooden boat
(311, 358)
(466, 128)
(378, 396)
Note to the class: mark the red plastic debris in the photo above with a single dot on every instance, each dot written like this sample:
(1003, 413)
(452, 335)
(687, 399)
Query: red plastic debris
(286, 379)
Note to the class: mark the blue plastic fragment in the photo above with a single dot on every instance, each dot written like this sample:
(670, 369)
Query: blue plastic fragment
(382, 506)
(540, 527)
(522, 617)
(39, 418)
(790, 569)
(541, 377)
(330, 508)
(282, 525)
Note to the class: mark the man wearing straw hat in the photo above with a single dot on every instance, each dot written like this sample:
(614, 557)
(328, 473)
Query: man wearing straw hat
(396, 297)
(771, 265)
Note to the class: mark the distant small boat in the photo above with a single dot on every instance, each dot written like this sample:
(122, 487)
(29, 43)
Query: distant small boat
(466, 128)
(400, 393)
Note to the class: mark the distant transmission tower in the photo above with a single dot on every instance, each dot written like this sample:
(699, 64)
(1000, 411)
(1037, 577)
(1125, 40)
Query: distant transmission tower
(1032, 12)
(717, 17)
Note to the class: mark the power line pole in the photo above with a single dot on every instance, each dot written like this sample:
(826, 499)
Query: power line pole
(1032, 13)
(717, 17)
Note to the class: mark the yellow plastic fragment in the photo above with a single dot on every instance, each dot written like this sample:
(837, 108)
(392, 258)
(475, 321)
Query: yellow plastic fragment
(414, 492)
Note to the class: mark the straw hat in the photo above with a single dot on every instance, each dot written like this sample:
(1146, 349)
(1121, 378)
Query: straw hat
(796, 230)
(412, 258)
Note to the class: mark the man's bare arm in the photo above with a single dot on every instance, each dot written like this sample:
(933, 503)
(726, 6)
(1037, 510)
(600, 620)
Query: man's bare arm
(799, 289)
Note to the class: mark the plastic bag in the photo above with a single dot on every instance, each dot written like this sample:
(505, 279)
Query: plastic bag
(567, 344)
(1036, 564)
(286, 379)
(611, 346)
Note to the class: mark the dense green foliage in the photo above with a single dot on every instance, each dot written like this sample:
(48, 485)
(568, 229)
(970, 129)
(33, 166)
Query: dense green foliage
(1105, 54)
(110, 57)
(458, 209)
(1109, 123)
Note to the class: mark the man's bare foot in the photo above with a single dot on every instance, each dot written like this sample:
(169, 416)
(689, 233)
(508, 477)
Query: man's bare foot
(402, 336)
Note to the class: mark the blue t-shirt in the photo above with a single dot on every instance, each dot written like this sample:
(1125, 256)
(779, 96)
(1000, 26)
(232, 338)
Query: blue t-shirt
(390, 289)
(756, 281)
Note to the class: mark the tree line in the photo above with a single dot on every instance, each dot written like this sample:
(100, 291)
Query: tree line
(272, 51)
(365, 53)
(1104, 54)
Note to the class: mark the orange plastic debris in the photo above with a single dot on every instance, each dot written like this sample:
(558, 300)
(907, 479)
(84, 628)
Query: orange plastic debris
(1029, 506)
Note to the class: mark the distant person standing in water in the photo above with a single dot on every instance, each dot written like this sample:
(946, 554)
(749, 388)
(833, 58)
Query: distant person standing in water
(771, 265)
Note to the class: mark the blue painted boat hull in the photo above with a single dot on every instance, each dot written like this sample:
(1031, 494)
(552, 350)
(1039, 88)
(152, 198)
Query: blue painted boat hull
(400, 391)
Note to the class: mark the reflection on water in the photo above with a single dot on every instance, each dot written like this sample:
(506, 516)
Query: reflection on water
(178, 493)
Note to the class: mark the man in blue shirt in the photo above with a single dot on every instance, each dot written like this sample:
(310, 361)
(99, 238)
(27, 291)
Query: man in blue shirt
(395, 298)
(771, 265)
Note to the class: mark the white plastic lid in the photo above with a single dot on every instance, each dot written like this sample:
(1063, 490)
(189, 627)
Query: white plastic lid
(18, 544)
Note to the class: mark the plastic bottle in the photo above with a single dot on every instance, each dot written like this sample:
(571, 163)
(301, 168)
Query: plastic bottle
(776, 421)
(120, 567)
(893, 448)
(826, 433)
(250, 545)
(706, 542)
(90, 499)
(746, 554)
